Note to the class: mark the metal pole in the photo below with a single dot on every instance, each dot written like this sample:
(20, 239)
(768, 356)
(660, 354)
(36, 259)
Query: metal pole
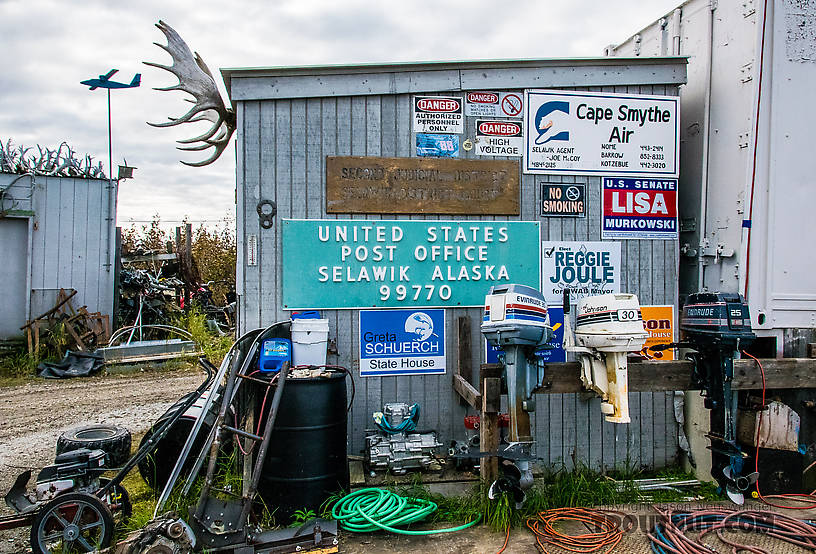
(110, 143)
(109, 218)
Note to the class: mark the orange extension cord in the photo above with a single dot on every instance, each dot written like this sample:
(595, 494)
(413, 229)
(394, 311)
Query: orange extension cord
(604, 531)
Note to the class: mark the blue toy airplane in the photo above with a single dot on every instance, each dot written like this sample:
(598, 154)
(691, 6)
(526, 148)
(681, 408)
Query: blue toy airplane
(105, 82)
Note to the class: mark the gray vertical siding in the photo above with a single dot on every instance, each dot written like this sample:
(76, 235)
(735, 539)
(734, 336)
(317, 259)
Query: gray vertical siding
(282, 146)
(69, 239)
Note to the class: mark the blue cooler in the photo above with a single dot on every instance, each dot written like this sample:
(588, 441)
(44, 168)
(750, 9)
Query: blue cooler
(273, 353)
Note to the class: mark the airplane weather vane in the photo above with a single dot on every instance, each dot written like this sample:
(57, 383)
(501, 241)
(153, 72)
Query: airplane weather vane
(103, 81)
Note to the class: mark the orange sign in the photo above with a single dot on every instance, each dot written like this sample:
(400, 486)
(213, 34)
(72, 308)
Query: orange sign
(659, 323)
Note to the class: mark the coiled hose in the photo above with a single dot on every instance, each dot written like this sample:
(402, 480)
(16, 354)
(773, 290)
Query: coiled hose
(670, 532)
(603, 529)
(375, 509)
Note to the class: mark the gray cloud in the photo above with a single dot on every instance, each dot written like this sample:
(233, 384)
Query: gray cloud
(49, 46)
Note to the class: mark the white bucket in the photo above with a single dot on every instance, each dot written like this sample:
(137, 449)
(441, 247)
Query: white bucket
(309, 340)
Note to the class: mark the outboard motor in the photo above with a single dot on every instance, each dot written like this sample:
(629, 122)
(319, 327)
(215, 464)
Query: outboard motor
(717, 326)
(607, 328)
(516, 320)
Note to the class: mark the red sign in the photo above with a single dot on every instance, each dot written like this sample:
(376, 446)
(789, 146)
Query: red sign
(483, 98)
(511, 105)
(439, 105)
(499, 129)
(639, 208)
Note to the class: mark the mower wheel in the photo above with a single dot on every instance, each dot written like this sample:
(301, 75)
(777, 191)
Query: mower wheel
(72, 522)
(113, 439)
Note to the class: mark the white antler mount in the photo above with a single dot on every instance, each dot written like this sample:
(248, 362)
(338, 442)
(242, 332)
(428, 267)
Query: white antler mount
(196, 80)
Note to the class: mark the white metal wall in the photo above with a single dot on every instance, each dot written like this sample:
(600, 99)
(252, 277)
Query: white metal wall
(726, 163)
(282, 146)
(71, 222)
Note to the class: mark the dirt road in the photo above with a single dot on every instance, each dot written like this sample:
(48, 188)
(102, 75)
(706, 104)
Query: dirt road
(34, 414)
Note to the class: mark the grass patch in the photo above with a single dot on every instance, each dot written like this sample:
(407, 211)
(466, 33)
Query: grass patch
(559, 489)
(215, 347)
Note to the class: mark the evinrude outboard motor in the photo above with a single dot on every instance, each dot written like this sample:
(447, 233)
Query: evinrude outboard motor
(607, 328)
(516, 320)
(717, 326)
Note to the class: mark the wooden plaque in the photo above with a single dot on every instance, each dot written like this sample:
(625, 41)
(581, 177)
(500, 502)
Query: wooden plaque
(366, 185)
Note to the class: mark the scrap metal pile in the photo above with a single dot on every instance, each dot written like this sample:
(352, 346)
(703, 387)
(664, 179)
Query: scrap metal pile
(153, 288)
(155, 296)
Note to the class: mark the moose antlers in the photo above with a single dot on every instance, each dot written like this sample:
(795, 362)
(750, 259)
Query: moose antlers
(196, 79)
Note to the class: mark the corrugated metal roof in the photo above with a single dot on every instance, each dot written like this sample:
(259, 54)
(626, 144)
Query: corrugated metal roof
(265, 83)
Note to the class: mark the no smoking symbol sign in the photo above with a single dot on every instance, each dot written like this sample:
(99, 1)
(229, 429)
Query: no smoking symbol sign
(511, 105)
(573, 193)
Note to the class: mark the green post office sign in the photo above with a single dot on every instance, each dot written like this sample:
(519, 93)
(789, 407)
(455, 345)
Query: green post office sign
(343, 264)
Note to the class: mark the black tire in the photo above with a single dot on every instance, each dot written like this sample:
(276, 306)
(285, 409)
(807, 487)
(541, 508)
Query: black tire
(113, 439)
(72, 522)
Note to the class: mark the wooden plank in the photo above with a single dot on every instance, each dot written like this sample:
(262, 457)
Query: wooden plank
(464, 367)
(467, 392)
(375, 185)
(652, 376)
(488, 436)
(491, 396)
(783, 373)
(150, 258)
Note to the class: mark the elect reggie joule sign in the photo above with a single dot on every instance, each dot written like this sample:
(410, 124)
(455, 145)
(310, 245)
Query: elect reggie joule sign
(601, 133)
(402, 342)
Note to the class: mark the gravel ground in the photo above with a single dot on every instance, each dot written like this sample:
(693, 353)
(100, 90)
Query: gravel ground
(34, 414)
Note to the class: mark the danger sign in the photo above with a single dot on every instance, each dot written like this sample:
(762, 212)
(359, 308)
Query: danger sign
(438, 114)
(639, 208)
(493, 104)
(498, 138)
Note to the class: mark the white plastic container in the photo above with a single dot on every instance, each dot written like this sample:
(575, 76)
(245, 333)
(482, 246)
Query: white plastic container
(309, 340)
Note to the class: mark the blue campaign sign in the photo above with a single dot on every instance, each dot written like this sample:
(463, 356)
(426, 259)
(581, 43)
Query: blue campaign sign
(358, 264)
(402, 342)
(554, 351)
(440, 146)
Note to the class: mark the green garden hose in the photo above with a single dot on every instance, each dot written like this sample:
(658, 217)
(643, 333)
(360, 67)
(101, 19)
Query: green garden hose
(372, 509)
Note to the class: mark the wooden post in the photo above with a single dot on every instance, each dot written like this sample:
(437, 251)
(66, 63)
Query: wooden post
(117, 271)
(464, 367)
(490, 385)
(188, 259)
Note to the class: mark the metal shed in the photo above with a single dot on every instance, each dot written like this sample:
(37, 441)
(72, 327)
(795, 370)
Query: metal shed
(55, 232)
(290, 119)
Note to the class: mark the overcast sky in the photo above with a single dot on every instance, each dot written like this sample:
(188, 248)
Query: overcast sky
(48, 46)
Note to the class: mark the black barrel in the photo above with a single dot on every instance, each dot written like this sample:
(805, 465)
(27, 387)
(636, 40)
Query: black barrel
(306, 462)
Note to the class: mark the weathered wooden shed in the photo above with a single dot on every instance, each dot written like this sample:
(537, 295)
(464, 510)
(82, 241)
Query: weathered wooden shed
(290, 119)
(55, 232)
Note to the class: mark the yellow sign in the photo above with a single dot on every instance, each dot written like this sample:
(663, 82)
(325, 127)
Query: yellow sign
(659, 323)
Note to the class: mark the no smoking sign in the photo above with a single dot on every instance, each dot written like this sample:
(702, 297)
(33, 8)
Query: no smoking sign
(567, 200)
(494, 104)
(511, 104)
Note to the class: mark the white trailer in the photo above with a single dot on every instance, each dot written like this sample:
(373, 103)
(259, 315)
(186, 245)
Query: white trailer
(748, 163)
